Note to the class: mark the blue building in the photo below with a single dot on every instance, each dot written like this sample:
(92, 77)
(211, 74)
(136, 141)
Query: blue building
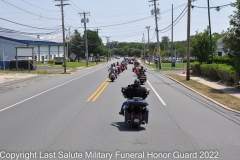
(43, 50)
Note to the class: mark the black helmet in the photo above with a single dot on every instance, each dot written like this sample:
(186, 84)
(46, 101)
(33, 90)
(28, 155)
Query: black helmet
(137, 82)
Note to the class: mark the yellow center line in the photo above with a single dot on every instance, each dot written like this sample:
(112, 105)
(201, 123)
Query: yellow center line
(96, 91)
(101, 91)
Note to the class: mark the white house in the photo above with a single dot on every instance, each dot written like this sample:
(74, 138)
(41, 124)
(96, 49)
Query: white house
(219, 50)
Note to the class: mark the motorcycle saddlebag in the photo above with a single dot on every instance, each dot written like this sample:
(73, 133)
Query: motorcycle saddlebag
(137, 102)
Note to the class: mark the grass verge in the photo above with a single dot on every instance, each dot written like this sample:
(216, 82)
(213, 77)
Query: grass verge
(168, 66)
(217, 95)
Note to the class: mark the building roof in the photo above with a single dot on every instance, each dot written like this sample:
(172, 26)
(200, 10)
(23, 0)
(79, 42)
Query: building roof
(27, 39)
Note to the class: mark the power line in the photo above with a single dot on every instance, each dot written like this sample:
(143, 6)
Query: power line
(175, 23)
(174, 20)
(5, 30)
(216, 6)
(29, 12)
(38, 6)
(25, 25)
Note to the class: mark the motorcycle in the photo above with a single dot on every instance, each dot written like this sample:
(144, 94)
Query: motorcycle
(135, 111)
(137, 70)
(112, 77)
(142, 77)
(119, 70)
(122, 68)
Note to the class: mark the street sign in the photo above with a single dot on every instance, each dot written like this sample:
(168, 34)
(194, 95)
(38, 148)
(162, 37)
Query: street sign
(72, 56)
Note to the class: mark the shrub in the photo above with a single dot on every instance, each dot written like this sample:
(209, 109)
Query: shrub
(223, 72)
(220, 60)
(195, 67)
(51, 62)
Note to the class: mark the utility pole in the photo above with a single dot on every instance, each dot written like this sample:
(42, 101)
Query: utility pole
(158, 44)
(63, 30)
(172, 35)
(188, 40)
(84, 20)
(97, 30)
(108, 47)
(210, 32)
(148, 27)
(143, 48)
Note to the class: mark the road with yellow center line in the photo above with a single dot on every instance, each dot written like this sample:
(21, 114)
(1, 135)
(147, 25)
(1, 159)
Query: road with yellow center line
(97, 93)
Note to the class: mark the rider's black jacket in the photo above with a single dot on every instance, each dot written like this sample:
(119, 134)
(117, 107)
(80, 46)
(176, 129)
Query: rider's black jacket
(135, 91)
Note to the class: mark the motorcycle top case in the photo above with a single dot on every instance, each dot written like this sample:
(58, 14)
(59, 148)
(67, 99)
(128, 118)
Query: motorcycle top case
(137, 102)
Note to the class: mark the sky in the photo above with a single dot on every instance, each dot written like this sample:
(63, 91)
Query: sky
(120, 20)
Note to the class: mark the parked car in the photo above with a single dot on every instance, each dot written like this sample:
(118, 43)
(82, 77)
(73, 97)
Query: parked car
(192, 59)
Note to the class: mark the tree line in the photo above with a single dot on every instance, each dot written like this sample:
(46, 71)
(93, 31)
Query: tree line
(200, 44)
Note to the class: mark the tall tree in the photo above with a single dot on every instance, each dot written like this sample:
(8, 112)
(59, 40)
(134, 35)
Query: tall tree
(76, 45)
(231, 40)
(165, 41)
(200, 46)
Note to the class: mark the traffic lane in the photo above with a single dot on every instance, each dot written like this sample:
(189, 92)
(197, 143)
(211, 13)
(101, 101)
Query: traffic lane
(106, 130)
(207, 125)
(41, 86)
(45, 115)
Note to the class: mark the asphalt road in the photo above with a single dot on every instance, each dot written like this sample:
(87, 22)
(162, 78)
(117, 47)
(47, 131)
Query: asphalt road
(52, 119)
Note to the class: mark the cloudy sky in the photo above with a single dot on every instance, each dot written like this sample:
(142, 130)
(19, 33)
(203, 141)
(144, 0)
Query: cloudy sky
(121, 20)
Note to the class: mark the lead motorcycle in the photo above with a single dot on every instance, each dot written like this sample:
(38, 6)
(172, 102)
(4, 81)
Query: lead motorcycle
(135, 110)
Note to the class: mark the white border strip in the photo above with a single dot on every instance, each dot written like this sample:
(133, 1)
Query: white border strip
(47, 90)
(156, 94)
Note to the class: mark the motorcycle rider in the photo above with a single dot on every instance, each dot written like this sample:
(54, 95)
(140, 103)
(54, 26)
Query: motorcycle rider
(118, 68)
(111, 70)
(134, 90)
(142, 71)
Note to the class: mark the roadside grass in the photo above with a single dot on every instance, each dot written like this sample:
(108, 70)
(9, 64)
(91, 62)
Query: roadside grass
(39, 71)
(168, 66)
(217, 95)
(82, 64)
(53, 69)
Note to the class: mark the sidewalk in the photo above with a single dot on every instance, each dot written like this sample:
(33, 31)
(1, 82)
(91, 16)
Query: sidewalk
(227, 89)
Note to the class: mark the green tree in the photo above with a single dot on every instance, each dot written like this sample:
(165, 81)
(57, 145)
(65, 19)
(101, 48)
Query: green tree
(200, 46)
(231, 40)
(95, 45)
(164, 43)
(76, 45)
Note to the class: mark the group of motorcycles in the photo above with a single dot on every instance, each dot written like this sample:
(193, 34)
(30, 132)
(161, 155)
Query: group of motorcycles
(140, 72)
(116, 69)
(135, 110)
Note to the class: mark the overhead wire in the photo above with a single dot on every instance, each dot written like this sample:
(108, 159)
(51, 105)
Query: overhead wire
(174, 20)
(175, 23)
(38, 6)
(30, 12)
(26, 25)
(216, 6)
(27, 33)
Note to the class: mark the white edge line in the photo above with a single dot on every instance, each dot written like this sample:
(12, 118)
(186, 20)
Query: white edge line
(156, 94)
(47, 91)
